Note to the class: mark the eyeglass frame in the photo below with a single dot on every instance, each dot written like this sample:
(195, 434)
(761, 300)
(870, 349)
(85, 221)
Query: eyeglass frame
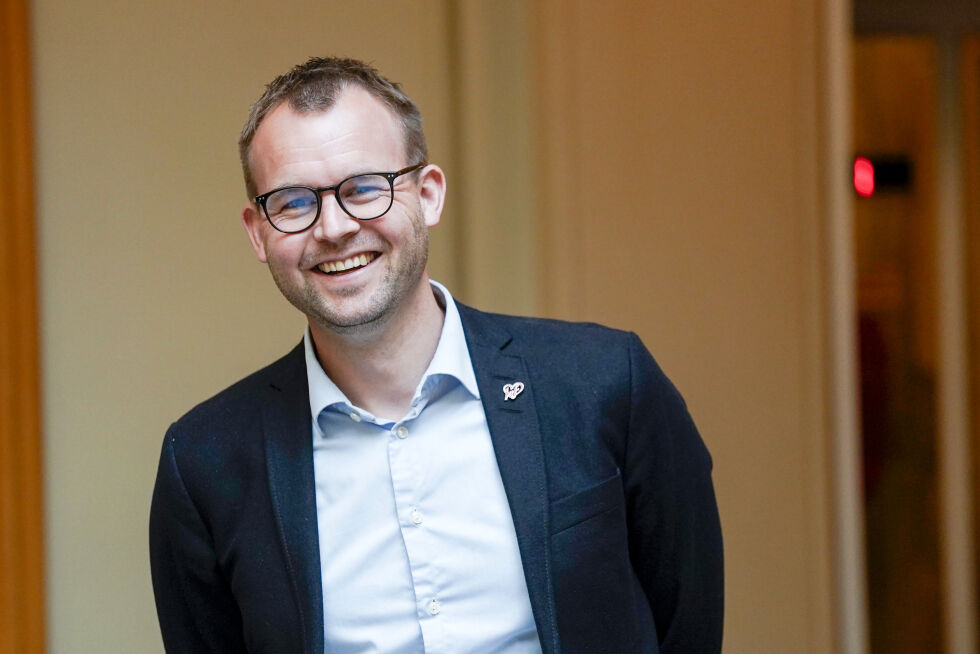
(260, 200)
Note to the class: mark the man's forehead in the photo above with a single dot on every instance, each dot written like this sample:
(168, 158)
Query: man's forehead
(351, 102)
(355, 114)
(355, 134)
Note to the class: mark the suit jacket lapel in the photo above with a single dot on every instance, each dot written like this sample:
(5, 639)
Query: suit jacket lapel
(516, 440)
(289, 455)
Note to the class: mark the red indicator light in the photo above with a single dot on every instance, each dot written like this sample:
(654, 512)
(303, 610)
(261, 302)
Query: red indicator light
(864, 177)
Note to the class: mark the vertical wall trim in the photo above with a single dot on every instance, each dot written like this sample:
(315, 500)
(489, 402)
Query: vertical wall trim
(457, 184)
(814, 424)
(492, 123)
(21, 551)
(956, 502)
(558, 151)
(850, 573)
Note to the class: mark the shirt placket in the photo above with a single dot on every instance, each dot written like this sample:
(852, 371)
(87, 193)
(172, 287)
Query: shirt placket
(406, 478)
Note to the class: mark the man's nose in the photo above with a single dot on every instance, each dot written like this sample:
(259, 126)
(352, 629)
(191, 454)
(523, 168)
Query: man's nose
(334, 224)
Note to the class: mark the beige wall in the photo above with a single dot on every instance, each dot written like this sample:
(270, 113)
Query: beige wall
(151, 297)
(698, 122)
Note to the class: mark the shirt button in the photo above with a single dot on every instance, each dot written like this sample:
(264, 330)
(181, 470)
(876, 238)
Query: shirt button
(433, 608)
(402, 431)
(355, 416)
(416, 516)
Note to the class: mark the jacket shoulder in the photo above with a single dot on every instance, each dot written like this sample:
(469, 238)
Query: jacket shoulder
(235, 407)
(584, 360)
(547, 333)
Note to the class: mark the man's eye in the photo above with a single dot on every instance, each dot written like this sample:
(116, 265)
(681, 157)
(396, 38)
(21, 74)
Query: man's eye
(364, 189)
(291, 201)
(298, 203)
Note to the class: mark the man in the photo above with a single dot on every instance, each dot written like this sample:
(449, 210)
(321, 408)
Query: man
(416, 475)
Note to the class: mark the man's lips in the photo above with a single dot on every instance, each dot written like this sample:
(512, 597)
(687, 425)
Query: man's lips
(350, 263)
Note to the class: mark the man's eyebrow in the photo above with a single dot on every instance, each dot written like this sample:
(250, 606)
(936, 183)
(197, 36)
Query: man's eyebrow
(352, 172)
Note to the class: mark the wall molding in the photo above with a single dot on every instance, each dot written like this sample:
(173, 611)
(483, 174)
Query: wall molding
(850, 573)
(21, 534)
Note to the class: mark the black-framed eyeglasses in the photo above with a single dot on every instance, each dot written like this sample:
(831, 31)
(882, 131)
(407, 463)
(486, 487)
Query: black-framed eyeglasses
(365, 196)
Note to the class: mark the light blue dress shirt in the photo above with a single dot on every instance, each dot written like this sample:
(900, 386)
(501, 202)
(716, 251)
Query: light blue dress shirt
(417, 545)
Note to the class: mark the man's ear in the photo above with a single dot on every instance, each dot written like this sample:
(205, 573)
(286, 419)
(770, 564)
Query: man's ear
(254, 224)
(432, 193)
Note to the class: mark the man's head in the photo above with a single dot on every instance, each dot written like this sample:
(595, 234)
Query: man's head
(314, 86)
(345, 273)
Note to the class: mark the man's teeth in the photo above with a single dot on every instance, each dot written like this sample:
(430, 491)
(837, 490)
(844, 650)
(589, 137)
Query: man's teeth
(347, 264)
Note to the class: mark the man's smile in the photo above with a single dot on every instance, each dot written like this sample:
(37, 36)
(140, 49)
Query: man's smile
(348, 264)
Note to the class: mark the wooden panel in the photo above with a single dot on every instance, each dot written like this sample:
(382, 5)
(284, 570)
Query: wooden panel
(971, 161)
(21, 552)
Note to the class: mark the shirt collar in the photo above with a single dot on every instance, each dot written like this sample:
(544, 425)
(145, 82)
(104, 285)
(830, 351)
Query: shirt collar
(451, 358)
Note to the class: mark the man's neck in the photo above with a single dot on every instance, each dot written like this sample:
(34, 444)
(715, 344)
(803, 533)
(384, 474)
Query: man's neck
(379, 368)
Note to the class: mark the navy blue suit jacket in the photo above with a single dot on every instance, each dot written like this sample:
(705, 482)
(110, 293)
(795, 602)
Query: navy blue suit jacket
(608, 481)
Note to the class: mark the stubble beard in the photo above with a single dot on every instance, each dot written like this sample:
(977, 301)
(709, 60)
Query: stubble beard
(373, 311)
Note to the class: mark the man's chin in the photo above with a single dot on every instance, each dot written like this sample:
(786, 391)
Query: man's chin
(347, 324)
(345, 308)
(349, 319)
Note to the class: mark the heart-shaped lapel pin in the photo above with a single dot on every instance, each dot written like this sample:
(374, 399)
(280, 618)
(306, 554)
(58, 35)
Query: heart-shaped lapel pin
(511, 391)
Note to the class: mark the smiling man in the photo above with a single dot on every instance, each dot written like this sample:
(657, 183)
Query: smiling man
(416, 475)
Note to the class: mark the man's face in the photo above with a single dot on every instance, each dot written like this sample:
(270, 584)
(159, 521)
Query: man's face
(385, 258)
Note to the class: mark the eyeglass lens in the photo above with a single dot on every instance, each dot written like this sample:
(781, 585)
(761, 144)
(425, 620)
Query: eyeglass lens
(364, 197)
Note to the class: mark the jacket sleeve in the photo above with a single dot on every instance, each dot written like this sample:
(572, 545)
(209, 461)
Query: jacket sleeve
(196, 609)
(674, 528)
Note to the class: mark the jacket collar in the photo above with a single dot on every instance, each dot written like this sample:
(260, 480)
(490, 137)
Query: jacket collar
(287, 427)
